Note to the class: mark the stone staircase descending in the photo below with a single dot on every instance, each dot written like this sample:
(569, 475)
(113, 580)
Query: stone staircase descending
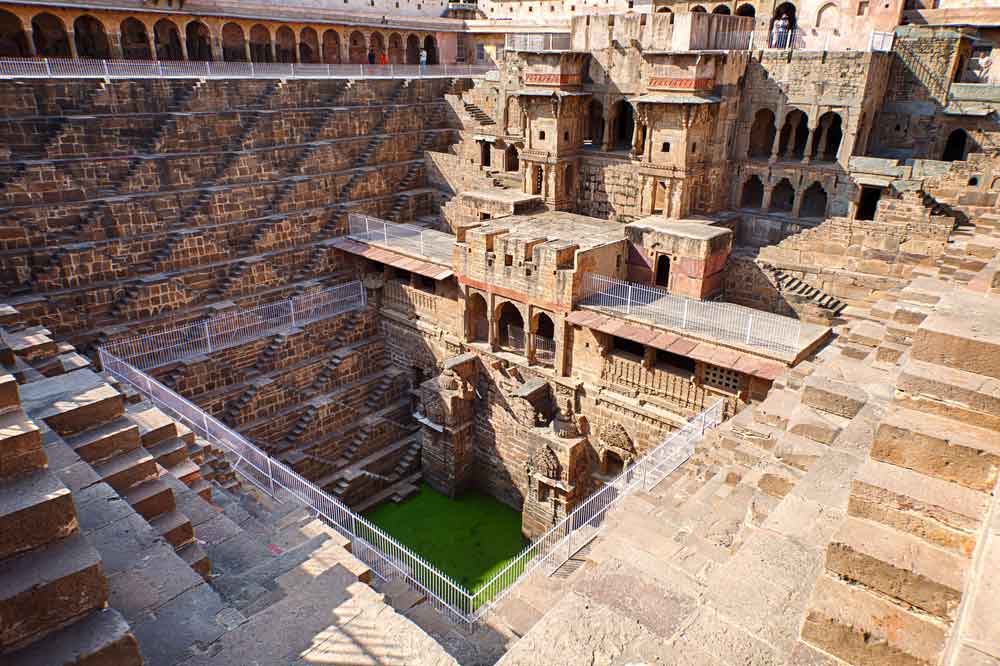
(478, 114)
(53, 590)
(802, 296)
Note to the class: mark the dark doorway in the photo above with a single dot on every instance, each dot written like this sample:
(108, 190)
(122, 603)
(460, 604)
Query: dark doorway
(234, 47)
(782, 196)
(762, 134)
(412, 50)
(613, 464)
(168, 41)
(199, 41)
(746, 10)
(954, 149)
(753, 193)
(511, 163)
(662, 277)
(813, 202)
(595, 125)
(50, 37)
(868, 204)
(91, 41)
(484, 153)
(260, 44)
(431, 47)
(135, 41)
(624, 126)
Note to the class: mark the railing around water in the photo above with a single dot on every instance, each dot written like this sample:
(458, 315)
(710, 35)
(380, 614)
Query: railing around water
(234, 328)
(387, 558)
(563, 540)
(726, 322)
(72, 68)
(434, 245)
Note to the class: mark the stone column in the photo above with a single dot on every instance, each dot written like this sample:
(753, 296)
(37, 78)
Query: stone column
(777, 142)
(807, 151)
(184, 44)
(607, 141)
(797, 201)
(649, 145)
(115, 45)
(792, 131)
(151, 36)
(215, 45)
(246, 50)
(29, 34)
(71, 36)
(765, 203)
(821, 142)
(635, 139)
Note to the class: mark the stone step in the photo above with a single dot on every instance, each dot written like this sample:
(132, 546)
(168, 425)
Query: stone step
(106, 440)
(169, 452)
(951, 393)
(898, 565)
(21, 451)
(964, 334)
(127, 469)
(151, 498)
(43, 589)
(938, 447)
(34, 511)
(102, 638)
(833, 396)
(175, 527)
(942, 513)
(196, 558)
(187, 471)
(154, 425)
(858, 627)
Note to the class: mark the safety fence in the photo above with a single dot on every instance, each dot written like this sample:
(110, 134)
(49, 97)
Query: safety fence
(71, 68)
(726, 322)
(386, 557)
(537, 42)
(545, 349)
(562, 541)
(820, 39)
(435, 245)
(234, 328)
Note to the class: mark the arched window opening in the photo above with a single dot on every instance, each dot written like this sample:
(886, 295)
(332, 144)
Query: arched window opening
(828, 136)
(485, 149)
(827, 16)
(377, 45)
(260, 44)
(13, 40)
(284, 45)
(723, 10)
(91, 40)
(479, 325)
(613, 464)
(782, 196)
(510, 328)
(664, 10)
(233, 44)
(698, 9)
(782, 28)
(50, 37)
(753, 193)
(762, 134)
(746, 10)
(357, 50)
(308, 46)
(199, 41)
(430, 45)
(661, 278)
(543, 338)
(955, 148)
(135, 40)
(412, 50)
(168, 41)
(794, 134)
(813, 202)
(510, 159)
(397, 55)
(331, 47)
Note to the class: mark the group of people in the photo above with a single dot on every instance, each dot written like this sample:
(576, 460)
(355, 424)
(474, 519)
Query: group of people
(382, 59)
(781, 32)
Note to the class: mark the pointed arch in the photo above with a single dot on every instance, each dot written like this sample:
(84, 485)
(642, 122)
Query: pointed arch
(308, 46)
(234, 47)
(260, 44)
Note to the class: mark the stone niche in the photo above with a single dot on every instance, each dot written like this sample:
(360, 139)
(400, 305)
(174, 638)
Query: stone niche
(686, 257)
(554, 69)
(557, 473)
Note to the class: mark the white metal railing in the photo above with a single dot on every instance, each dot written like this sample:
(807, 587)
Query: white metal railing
(545, 349)
(542, 41)
(563, 540)
(386, 557)
(513, 339)
(233, 328)
(881, 41)
(47, 68)
(435, 245)
(821, 39)
(726, 322)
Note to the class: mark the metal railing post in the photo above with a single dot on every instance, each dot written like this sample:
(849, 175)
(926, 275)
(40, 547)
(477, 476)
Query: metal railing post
(749, 327)
(628, 301)
(684, 323)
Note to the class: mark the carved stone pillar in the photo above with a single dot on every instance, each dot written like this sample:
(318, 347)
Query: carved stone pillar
(807, 152)
(793, 129)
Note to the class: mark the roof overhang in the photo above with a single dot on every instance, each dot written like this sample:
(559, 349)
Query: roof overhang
(394, 259)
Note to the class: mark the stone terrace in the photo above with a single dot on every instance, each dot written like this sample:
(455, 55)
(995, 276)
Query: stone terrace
(850, 517)
(135, 556)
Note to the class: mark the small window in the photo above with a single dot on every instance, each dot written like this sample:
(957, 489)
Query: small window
(974, 181)
(565, 136)
(694, 147)
(723, 378)
(674, 362)
(665, 147)
(541, 136)
(508, 260)
(628, 347)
